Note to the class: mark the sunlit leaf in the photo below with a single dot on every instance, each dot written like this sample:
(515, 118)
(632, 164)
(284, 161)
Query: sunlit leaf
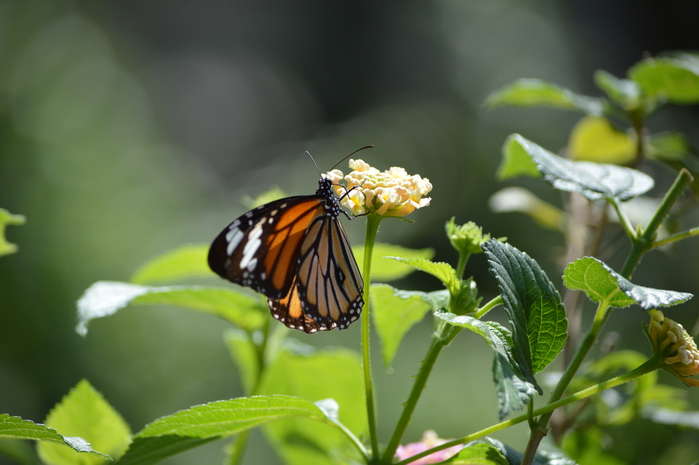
(595, 139)
(534, 92)
(514, 389)
(184, 262)
(7, 218)
(385, 269)
(395, 312)
(593, 180)
(440, 270)
(478, 453)
(533, 305)
(197, 425)
(672, 79)
(104, 298)
(19, 428)
(85, 413)
(601, 283)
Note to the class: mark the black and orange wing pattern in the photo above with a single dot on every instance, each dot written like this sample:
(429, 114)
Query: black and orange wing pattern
(296, 253)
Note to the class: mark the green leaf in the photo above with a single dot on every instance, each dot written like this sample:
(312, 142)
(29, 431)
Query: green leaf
(104, 298)
(534, 92)
(18, 428)
(85, 413)
(184, 262)
(395, 312)
(299, 370)
(514, 389)
(200, 424)
(671, 79)
(593, 180)
(7, 218)
(243, 353)
(440, 270)
(21, 452)
(533, 306)
(601, 283)
(478, 453)
(385, 269)
(623, 92)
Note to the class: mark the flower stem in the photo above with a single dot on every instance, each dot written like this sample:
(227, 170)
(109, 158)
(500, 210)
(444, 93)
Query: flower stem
(488, 307)
(372, 227)
(650, 365)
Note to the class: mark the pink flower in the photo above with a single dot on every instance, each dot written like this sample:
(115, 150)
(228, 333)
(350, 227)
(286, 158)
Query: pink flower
(429, 440)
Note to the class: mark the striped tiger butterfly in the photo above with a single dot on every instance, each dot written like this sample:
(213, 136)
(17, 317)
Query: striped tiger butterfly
(295, 252)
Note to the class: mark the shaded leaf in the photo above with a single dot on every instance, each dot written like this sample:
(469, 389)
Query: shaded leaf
(533, 306)
(144, 451)
(85, 413)
(672, 79)
(104, 298)
(535, 92)
(595, 139)
(19, 428)
(593, 180)
(385, 269)
(7, 218)
(514, 389)
(395, 312)
(184, 262)
(601, 283)
(243, 353)
(623, 92)
(21, 452)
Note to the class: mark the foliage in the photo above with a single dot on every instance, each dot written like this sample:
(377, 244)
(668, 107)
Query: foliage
(317, 407)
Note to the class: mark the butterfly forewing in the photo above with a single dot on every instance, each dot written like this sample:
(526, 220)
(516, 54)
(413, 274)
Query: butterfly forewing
(295, 252)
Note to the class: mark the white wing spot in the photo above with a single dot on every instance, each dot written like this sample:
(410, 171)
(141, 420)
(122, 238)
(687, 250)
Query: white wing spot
(234, 236)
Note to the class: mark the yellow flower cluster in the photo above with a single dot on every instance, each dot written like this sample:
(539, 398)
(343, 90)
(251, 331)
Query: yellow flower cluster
(675, 346)
(383, 193)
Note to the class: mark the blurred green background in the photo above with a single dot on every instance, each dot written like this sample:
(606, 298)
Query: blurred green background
(128, 128)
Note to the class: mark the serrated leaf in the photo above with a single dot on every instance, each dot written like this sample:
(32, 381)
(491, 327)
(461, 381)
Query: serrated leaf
(184, 262)
(440, 270)
(104, 298)
(593, 180)
(624, 92)
(595, 139)
(514, 389)
(601, 283)
(19, 428)
(200, 424)
(385, 269)
(533, 306)
(672, 79)
(534, 92)
(316, 375)
(85, 413)
(395, 312)
(479, 452)
(7, 218)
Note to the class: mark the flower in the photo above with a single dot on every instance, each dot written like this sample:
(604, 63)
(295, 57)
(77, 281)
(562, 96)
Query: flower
(384, 193)
(677, 349)
(429, 440)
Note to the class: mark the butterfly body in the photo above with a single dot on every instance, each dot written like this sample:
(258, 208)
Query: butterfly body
(295, 252)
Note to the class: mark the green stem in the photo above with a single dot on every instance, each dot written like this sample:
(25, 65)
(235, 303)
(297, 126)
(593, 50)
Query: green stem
(372, 227)
(650, 365)
(676, 237)
(461, 266)
(623, 219)
(488, 307)
(643, 242)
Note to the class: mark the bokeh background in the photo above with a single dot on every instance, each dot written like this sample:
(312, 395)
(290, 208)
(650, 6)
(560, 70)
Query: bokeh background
(128, 128)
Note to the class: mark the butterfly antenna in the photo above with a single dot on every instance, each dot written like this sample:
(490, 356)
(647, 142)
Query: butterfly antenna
(346, 157)
(314, 162)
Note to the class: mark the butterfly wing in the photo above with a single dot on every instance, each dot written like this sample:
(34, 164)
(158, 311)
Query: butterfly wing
(259, 249)
(327, 290)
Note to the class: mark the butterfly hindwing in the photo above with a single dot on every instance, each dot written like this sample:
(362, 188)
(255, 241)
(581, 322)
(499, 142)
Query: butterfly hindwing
(295, 252)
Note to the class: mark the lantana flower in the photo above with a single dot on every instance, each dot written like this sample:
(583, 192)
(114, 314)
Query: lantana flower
(675, 346)
(429, 440)
(384, 193)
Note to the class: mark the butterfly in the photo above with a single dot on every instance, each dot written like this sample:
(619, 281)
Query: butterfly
(295, 252)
